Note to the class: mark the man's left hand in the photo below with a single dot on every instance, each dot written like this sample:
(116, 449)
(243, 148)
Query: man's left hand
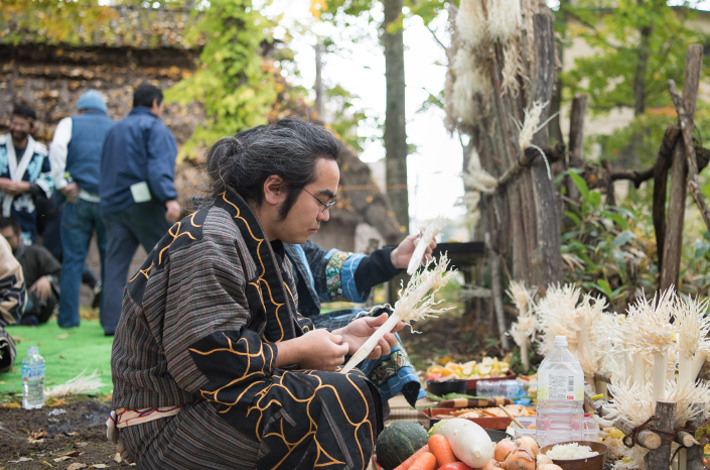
(401, 255)
(357, 332)
(42, 288)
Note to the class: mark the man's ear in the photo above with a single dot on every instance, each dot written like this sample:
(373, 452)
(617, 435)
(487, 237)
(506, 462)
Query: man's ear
(274, 190)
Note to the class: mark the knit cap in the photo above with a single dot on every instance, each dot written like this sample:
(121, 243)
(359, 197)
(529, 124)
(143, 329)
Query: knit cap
(91, 99)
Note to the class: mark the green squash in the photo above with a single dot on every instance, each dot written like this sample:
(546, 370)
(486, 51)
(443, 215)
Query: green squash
(398, 441)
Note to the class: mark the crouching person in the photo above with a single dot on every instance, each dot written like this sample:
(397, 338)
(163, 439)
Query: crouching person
(213, 367)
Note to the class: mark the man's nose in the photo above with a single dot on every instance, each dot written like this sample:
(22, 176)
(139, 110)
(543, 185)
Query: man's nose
(324, 215)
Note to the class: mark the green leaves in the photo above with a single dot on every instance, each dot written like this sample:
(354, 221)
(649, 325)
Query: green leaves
(236, 90)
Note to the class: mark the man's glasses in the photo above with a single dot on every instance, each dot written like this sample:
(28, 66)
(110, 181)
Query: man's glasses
(326, 205)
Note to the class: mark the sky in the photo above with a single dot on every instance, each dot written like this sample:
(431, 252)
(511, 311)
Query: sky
(434, 169)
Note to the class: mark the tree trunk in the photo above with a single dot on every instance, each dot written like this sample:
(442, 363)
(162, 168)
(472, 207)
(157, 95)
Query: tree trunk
(673, 242)
(319, 80)
(395, 132)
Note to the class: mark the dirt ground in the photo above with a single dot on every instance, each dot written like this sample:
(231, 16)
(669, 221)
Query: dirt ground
(70, 436)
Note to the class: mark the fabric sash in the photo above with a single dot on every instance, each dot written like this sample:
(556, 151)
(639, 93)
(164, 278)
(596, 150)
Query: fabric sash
(269, 290)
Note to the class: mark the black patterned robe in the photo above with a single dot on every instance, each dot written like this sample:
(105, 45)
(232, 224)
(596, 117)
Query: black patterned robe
(199, 325)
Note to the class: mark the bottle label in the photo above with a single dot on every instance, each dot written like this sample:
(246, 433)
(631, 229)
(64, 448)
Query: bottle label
(561, 387)
(32, 373)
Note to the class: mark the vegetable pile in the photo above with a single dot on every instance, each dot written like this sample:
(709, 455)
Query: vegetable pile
(487, 367)
(461, 444)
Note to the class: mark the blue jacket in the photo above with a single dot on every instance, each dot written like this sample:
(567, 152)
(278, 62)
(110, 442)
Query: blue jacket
(139, 148)
(84, 151)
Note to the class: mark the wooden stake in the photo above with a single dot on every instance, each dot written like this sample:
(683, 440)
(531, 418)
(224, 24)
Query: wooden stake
(686, 127)
(694, 455)
(676, 207)
(659, 459)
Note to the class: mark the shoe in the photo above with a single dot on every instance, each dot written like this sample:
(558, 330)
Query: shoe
(98, 289)
(28, 320)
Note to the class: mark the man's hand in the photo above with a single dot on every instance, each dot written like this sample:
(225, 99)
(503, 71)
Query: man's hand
(357, 332)
(401, 255)
(71, 192)
(317, 349)
(42, 288)
(173, 210)
(13, 188)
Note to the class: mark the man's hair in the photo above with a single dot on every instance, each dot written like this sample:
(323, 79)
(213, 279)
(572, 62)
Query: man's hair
(145, 94)
(288, 148)
(10, 222)
(24, 111)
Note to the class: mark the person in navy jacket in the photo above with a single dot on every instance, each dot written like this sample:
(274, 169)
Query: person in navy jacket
(137, 192)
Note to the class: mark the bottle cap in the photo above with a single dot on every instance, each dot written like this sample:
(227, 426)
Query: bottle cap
(560, 341)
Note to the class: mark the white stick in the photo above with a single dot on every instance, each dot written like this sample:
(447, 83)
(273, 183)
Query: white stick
(660, 365)
(369, 345)
(639, 373)
(524, 354)
(698, 362)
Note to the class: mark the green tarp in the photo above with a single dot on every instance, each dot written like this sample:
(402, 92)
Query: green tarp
(67, 353)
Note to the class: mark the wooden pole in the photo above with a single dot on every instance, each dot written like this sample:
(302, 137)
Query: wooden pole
(686, 127)
(694, 455)
(659, 459)
(676, 207)
(576, 141)
(497, 293)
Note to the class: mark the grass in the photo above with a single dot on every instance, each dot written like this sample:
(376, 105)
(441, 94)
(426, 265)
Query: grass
(67, 353)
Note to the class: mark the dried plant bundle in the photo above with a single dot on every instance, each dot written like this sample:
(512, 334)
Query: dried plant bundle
(416, 302)
(471, 22)
(531, 124)
(81, 384)
(511, 68)
(504, 19)
(430, 231)
(692, 326)
(553, 316)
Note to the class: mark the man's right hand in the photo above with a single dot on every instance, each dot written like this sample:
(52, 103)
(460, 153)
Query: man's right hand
(71, 192)
(317, 349)
(173, 211)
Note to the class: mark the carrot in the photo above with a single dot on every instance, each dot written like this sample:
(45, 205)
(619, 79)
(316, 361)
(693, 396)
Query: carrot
(408, 463)
(440, 447)
(426, 461)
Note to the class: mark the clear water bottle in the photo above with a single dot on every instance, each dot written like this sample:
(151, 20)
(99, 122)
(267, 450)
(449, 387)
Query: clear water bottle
(32, 379)
(560, 396)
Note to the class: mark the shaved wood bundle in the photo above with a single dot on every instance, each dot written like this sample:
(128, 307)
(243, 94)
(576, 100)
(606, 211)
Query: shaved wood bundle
(416, 302)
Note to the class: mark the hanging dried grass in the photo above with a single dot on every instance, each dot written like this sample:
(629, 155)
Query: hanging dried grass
(469, 80)
(471, 22)
(511, 69)
(504, 19)
(531, 124)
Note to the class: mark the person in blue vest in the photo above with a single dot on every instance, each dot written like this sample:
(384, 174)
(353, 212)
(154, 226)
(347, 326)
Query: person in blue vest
(137, 190)
(24, 172)
(75, 155)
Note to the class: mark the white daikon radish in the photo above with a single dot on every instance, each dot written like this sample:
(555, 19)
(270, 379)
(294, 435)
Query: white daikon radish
(469, 442)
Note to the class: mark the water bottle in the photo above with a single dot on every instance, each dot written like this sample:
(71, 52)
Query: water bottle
(560, 397)
(32, 379)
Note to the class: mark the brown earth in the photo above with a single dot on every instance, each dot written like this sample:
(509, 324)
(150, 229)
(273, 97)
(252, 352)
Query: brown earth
(69, 436)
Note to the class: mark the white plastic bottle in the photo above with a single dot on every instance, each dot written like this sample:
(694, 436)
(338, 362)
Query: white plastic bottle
(32, 379)
(560, 397)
